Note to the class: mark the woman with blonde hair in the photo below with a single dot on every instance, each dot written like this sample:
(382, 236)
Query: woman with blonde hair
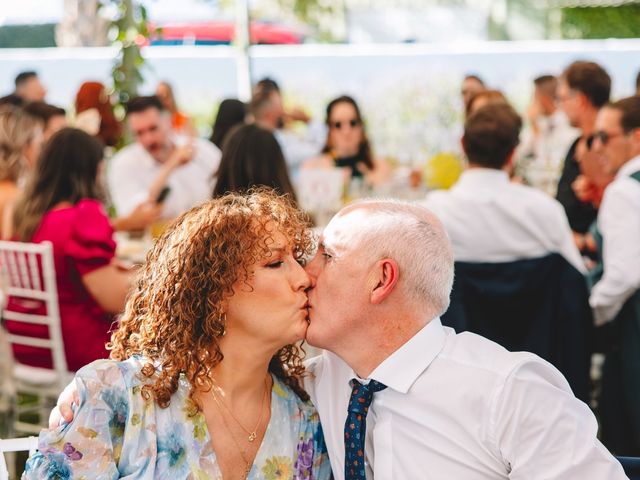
(204, 379)
(20, 143)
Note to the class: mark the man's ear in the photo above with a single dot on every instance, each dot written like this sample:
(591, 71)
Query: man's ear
(386, 275)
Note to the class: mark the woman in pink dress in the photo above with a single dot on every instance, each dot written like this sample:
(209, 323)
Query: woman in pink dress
(61, 204)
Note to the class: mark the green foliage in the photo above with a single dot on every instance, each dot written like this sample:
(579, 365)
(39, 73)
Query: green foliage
(601, 22)
(28, 36)
(131, 31)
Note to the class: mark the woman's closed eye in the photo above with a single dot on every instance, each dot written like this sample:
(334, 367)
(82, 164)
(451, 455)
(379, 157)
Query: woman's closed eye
(276, 264)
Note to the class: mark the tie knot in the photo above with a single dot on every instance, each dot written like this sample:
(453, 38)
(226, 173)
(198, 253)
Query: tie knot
(362, 395)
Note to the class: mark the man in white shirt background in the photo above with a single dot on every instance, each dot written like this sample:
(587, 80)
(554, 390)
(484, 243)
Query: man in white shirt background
(490, 219)
(269, 113)
(614, 298)
(158, 159)
(443, 405)
(546, 139)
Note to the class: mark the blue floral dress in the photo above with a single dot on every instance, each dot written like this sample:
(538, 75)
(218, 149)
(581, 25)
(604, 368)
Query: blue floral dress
(116, 433)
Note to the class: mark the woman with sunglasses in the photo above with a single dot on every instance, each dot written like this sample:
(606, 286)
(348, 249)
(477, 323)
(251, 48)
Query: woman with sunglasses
(347, 145)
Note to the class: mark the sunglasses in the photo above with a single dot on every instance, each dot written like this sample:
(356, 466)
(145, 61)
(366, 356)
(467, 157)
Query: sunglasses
(353, 123)
(603, 136)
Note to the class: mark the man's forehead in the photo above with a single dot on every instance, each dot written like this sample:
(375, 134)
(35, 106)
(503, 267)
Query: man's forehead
(340, 231)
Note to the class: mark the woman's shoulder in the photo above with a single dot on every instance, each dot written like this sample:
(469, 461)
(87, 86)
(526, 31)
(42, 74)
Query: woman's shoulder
(126, 373)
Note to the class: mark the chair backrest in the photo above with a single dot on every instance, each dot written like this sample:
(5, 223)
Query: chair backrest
(28, 272)
(15, 445)
(631, 466)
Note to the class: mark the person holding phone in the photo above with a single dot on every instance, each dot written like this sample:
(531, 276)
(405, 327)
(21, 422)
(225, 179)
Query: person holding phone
(157, 159)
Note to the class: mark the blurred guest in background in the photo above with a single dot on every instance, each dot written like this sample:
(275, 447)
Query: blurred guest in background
(252, 157)
(615, 298)
(583, 89)
(267, 110)
(20, 144)
(638, 84)
(94, 113)
(29, 88)
(489, 218)
(139, 172)
(485, 97)
(471, 85)
(54, 118)
(231, 112)
(180, 122)
(61, 204)
(347, 145)
(548, 137)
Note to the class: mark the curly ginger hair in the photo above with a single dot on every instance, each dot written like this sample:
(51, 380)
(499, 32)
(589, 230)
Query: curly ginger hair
(174, 317)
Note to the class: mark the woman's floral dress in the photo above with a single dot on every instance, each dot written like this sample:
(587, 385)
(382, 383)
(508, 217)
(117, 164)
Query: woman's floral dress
(116, 433)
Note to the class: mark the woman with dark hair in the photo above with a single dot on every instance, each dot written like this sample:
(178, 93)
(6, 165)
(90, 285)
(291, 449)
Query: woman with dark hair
(61, 204)
(251, 157)
(231, 113)
(347, 145)
(94, 113)
(205, 377)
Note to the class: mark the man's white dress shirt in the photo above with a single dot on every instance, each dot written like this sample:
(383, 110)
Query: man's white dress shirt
(619, 224)
(132, 171)
(460, 407)
(490, 219)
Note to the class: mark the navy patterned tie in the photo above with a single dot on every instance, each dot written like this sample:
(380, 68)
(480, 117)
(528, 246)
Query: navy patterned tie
(356, 426)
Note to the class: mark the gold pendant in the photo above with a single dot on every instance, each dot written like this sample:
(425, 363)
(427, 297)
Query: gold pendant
(252, 436)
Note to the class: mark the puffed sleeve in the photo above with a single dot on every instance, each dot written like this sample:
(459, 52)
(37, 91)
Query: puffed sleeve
(89, 446)
(91, 245)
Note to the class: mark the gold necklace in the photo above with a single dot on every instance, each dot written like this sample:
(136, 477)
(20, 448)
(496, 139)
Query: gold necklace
(241, 451)
(252, 434)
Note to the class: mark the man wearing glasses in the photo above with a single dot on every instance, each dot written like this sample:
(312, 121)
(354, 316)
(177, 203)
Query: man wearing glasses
(583, 89)
(615, 298)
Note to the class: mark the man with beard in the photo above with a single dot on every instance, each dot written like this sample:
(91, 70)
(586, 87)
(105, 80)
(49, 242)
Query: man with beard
(158, 159)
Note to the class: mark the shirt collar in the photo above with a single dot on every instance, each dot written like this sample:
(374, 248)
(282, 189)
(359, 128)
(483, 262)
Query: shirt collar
(482, 177)
(403, 367)
(629, 168)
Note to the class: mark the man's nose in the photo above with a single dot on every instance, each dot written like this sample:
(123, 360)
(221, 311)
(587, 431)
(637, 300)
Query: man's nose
(311, 269)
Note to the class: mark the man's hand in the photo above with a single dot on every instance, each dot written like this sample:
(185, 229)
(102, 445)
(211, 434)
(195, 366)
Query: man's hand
(63, 411)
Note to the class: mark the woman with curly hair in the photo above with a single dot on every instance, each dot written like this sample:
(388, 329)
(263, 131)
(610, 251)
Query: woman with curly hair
(204, 379)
